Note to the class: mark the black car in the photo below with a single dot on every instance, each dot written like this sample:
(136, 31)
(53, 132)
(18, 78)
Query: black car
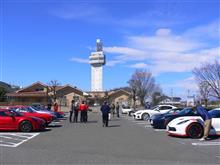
(161, 121)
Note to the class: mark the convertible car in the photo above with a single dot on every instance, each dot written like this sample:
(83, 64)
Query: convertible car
(13, 121)
(193, 126)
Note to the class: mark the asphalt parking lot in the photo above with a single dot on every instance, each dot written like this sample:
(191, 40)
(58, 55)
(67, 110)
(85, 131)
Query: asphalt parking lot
(125, 141)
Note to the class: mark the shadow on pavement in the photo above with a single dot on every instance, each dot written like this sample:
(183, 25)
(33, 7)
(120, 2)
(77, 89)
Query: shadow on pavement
(116, 125)
(54, 126)
(45, 130)
(93, 121)
(213, 137)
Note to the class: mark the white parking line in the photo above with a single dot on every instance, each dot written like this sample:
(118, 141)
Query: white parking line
(160, 130)
(15, 139)
(206, 144)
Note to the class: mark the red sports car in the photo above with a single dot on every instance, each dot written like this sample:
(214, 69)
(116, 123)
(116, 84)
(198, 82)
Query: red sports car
(30, 112)
(11, 120)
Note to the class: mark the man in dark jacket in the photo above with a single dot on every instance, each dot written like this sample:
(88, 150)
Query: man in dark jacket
(207, 120)
(105, 109)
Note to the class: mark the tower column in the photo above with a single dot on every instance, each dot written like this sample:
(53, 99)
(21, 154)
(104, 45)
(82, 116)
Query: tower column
(97, 60)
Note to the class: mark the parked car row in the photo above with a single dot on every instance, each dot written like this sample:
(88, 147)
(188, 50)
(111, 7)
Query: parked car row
(27, 118)
(179, 121)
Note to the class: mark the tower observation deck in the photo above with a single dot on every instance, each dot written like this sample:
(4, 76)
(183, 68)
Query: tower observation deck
(97, 60)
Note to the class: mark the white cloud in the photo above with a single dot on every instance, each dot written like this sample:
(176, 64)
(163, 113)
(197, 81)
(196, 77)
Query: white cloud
(163, 32)
(113, 62)
(211, 31)
(80, 60)
(139, 65)
(166, 52)
(188, 83)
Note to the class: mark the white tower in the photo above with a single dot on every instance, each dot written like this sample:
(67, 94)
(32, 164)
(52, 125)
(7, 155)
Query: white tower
(97, 60)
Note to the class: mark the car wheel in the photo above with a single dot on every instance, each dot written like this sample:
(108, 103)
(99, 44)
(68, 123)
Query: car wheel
(146, 116)
(195, 130)
(25, 126)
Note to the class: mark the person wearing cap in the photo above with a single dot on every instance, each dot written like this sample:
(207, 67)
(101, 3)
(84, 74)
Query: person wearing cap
(105, 109)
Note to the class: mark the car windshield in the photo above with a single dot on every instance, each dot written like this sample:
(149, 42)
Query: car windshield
(185, 111)
(126, 107)
(38, 107)
(15, 113)
(30, 109)
(154, 107)
(214, 113)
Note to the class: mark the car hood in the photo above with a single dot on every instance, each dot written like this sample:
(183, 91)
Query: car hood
(144, 110)
(179, 119)
(44, 112)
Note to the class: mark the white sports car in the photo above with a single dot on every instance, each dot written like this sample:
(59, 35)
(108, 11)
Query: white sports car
(193, 126)
(147, 113)
(125, 109)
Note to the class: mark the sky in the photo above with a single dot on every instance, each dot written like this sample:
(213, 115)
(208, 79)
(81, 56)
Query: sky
(44, 40)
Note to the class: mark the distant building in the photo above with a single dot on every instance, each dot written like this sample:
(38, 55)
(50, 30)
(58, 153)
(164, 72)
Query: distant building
(39, 93)
(190, 101)
(7, 87)
(172, 101)
(113, 96)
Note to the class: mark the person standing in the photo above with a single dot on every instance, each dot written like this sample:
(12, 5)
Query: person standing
(113, 109)
(105, 109)
(76, 110)
(117, 109)
(86, 112)
(55, 107)
(71, 110)
(83, 109)
(207, 120)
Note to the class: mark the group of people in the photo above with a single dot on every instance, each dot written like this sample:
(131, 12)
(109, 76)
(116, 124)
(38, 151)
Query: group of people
(114, 109)
(75, 109)
(82, 108)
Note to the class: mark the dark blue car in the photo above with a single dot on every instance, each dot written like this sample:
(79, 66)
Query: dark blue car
(161, 121)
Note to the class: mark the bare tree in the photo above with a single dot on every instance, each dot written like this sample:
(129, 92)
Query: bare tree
(204, 90)
(209, 74)
(142, 84)
(53, 85)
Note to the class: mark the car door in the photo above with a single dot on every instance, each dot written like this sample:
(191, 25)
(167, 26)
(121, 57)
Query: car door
(216, 121)
(7, 121)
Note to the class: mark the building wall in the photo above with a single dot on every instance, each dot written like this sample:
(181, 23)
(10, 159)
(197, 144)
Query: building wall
(122, 99)
(27, 100)
(70, 96)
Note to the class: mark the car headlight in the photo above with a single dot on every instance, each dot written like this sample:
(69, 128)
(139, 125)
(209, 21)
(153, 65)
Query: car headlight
(182, 122)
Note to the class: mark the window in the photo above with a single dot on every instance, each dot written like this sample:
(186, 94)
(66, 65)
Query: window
(214, 113)
(165, 107)
(2, 113)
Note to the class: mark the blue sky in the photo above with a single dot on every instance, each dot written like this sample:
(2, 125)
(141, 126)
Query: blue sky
(42, 40)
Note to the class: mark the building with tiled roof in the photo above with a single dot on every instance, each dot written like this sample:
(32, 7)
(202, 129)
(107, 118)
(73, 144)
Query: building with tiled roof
(40, 93)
